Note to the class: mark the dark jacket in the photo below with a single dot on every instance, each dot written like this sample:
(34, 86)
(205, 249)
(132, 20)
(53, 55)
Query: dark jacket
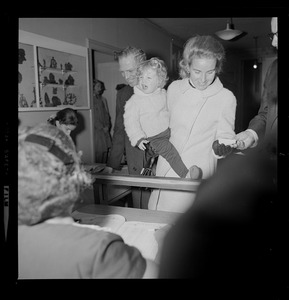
(120, 141)
(265, 123)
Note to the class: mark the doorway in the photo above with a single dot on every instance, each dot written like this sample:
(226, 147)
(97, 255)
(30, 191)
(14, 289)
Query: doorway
(106, 69)
(103, 66)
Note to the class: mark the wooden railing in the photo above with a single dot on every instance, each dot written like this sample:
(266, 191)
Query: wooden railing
(169, 183)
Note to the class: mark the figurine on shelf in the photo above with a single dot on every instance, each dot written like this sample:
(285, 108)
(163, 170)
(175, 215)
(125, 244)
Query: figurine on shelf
(71, 98)
(65, 101)
(45, 80)
(68, 66)
(22, 101)
(21, 59)
(54, 91)
(52, 78)
(60, 81)
(69, 80)
(55, 101)
(47, 101)
(53, 63)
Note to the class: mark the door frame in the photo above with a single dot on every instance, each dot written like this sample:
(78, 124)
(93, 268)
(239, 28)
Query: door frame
(93, 45)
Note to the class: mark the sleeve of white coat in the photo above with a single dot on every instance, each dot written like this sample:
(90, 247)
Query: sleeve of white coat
(172, 96)
(226, 124)
(132, 123)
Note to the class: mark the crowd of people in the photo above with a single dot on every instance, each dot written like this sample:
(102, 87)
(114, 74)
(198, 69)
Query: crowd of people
(225, 234)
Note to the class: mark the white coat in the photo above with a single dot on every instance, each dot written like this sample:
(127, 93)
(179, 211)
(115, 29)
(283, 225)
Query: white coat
(197, 119)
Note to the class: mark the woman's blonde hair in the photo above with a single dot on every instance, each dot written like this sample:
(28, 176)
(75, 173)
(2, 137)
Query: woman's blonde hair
(50, 174)
(201, 46)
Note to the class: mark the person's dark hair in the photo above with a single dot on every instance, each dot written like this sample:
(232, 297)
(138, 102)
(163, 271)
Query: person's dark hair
(67, 116)
(95, 81)
(102, 85)
(201, 46)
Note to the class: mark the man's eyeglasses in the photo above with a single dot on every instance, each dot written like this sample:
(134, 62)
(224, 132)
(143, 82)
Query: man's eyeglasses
(271, 35)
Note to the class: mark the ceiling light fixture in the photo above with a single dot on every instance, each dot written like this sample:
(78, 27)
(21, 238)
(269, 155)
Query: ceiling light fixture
(229, 33)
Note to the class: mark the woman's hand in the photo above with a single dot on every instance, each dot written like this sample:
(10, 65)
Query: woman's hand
(221, 149)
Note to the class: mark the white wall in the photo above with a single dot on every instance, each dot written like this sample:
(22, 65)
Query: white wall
(117, 32)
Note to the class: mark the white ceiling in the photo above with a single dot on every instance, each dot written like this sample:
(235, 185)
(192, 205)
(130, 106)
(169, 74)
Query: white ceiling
(184, 28)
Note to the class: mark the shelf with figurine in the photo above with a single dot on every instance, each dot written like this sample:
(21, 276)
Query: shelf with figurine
(53, 101)
(69, 82)
(63, 86)
(60, 71)
(23, 103)
(52, 74)
(50, 79)
(53, 67)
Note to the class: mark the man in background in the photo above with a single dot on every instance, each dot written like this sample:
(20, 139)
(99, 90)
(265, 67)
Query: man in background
(264, 124)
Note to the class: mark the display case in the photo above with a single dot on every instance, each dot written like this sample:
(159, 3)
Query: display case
(52, 74)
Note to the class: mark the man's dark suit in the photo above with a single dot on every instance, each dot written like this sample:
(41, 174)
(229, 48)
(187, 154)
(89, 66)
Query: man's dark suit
(265, 123)
(121, 144)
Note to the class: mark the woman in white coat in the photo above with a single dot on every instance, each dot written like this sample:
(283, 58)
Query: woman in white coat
(201, 112)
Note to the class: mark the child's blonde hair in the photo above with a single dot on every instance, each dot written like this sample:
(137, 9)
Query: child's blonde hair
(158, 65)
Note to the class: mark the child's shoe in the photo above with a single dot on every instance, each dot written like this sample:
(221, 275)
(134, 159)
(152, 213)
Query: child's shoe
(195, 173)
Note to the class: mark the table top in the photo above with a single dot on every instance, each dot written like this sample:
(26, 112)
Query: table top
(158, 182)
(130, 214)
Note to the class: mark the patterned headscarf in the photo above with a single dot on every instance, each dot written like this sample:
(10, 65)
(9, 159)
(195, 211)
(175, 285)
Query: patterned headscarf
(50, 174)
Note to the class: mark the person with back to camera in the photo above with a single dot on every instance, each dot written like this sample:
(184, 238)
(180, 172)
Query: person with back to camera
(65, 119)
(226, 243)
(146, 118)
(202, 112)
(128, 59)
(50, 243)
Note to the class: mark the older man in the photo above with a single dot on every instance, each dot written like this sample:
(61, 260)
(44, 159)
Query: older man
(128, 59)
